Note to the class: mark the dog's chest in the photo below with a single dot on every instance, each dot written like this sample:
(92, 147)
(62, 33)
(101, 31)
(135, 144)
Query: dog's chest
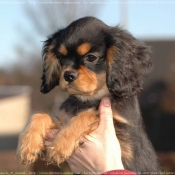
(73, 106)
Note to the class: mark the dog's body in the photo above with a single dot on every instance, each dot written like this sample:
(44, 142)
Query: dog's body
(90, 60)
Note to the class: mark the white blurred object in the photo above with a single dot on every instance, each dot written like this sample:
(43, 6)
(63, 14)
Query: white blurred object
(15, 106)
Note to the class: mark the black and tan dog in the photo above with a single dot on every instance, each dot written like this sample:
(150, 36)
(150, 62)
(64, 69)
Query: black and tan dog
(90, 60)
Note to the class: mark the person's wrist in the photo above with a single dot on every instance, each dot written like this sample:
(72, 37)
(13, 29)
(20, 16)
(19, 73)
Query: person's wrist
(119, 165)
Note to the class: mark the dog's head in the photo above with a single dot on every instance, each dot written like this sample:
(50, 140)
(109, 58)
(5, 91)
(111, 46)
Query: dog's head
(90, 59)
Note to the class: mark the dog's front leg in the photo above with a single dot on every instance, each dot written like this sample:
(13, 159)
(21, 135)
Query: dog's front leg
(69, 138)
(31, 140)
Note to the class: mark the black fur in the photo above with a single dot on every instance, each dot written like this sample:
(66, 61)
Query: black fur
(131, 61)
(72, 106)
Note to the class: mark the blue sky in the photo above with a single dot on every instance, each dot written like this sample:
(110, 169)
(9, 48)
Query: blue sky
(145, 19)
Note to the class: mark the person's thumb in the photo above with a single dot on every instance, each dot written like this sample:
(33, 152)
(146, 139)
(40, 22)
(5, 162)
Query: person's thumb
(106, 115)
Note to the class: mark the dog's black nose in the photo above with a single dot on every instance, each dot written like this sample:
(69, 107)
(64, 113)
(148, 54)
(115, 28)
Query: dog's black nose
(70, 76)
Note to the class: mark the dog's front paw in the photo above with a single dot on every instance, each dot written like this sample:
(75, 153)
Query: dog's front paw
(31, 140)
(30, 146)
(61, 149)
(70, 137)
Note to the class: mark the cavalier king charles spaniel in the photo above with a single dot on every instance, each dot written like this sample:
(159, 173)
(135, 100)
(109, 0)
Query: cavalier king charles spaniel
(90, 60)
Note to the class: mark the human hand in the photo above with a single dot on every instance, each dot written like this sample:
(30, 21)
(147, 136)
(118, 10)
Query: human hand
(50, 137)
(101, 150)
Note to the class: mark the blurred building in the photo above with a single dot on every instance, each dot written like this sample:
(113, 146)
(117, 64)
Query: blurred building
(15, 106)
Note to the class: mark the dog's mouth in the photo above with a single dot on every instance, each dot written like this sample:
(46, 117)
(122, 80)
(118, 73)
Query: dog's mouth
(87, 95)
(76, 91)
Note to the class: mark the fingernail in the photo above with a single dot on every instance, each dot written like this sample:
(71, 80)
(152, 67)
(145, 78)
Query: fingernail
(106, 102)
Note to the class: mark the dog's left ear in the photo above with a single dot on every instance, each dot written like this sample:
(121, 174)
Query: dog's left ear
(51, 65)
(127, 61)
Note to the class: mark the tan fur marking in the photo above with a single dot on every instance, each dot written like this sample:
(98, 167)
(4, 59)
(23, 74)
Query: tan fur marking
(120, 118)
(31, 140)
(88, 84)
(83, 48)
(87, 80)
(111, 53)
(85, 84)
(69, 137)
(62, 49)
(126, 149)
(52, 66)
(63, 117)
(50, 47)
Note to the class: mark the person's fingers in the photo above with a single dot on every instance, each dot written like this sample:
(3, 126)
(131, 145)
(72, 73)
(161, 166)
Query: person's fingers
(106, 115)
(47, 143)
(51, 134)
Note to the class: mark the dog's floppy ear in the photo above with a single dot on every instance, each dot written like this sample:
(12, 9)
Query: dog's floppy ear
(127, 61)
(51, 65)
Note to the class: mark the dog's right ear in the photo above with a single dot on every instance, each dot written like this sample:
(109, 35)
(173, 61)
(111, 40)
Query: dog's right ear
(128, 60)
(51, 65)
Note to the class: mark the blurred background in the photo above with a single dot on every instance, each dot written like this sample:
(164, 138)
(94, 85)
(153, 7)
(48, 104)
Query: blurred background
(25, 24)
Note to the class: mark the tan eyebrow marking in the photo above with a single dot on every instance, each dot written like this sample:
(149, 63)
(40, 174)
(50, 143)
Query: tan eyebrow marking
(62, 49)
(83, 48)
(111, 52)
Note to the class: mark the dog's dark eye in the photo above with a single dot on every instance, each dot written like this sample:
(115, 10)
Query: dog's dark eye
(90, 57)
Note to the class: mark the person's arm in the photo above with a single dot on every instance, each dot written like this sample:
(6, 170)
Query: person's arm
(100, 151)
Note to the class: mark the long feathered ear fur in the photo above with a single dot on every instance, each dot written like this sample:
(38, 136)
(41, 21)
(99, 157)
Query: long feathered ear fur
(51, 65)
(127, 61)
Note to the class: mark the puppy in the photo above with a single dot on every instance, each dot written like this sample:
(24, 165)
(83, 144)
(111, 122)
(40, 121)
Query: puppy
(90, 60)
